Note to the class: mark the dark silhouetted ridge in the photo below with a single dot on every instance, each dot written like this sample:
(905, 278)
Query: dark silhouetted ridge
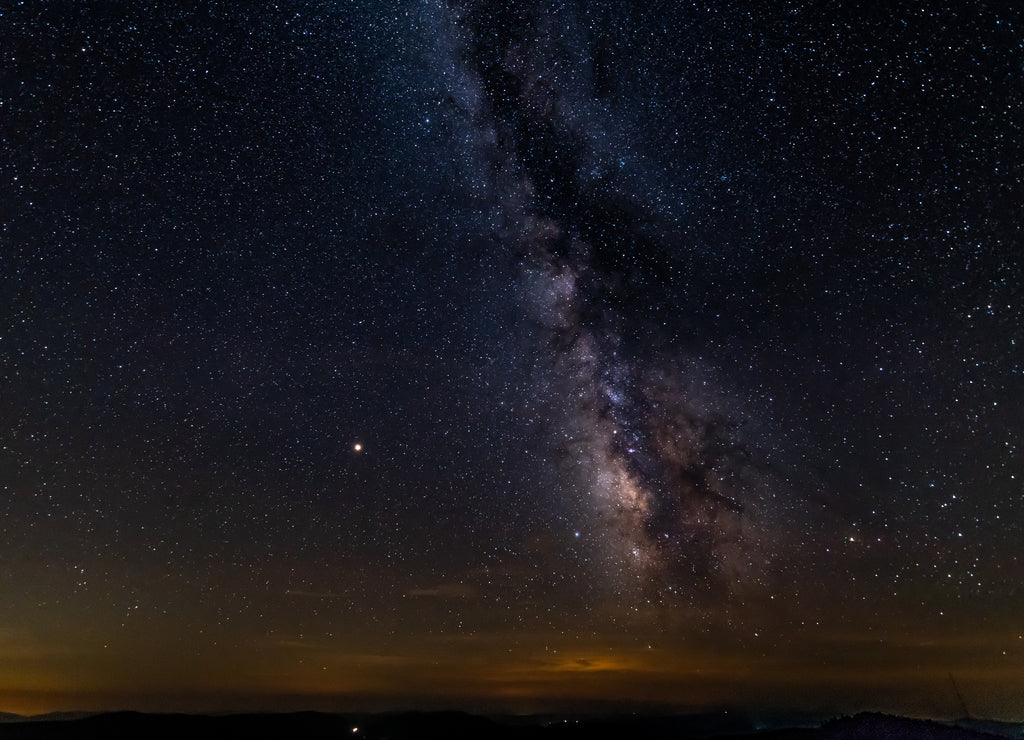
(458, 725)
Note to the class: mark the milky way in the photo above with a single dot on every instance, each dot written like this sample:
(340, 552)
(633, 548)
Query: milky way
(522, 352)
(665, 467)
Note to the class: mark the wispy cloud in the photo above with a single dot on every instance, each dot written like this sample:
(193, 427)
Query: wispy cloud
(312, 594)
(446, 591)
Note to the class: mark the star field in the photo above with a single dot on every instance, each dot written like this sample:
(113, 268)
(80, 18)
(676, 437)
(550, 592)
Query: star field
(508, 355)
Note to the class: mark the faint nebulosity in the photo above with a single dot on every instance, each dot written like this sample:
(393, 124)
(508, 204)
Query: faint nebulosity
(664, 470)
(511, 355)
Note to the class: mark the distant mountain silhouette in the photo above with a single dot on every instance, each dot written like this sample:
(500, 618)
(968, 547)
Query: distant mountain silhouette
(458, 725)
(878, 727)
(48, 717)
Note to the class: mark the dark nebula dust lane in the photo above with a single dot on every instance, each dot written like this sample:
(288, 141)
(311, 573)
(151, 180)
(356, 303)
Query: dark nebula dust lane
(666, 473)
(511, 355)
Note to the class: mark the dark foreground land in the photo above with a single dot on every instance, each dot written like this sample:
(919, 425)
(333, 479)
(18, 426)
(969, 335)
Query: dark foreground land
(431, 725)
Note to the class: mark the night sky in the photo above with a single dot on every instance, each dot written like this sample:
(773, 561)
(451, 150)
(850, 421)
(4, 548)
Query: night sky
(512, 356)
